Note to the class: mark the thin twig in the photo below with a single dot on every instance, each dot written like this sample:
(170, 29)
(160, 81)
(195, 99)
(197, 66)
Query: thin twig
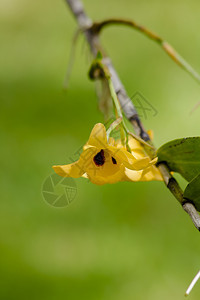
(92, 38)
(113, 126)
(194, 215)
(194, 281)
(97, 27)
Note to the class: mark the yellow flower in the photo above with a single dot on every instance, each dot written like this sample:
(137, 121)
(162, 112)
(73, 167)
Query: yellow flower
(103, 161)
(148, 174)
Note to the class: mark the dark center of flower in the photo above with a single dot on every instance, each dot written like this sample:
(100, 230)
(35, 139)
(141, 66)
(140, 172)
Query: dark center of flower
(114, 161)
(99, 158)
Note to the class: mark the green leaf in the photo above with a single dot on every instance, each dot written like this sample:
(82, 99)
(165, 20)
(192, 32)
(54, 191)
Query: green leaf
(182, 156)
(192, 192)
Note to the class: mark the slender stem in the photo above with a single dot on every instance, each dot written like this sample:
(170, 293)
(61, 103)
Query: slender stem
(171, 183)
(113, 126)
(119, 111)
(194, 215)
(115, 99)
(192, 284)
(97, 27)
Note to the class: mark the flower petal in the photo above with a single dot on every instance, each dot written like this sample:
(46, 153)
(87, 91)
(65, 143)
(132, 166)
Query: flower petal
(76, 169)
(131, 175)
(149, 174)
(100, 179)
(141, 163)
(98, 137)
(128, 159)
(134, 144)
(153, 161)
(70, 170)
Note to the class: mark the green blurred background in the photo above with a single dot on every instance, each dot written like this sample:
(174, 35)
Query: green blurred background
(122, 241)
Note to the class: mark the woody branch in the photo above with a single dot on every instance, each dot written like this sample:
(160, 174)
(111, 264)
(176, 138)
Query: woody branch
(87, 26)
